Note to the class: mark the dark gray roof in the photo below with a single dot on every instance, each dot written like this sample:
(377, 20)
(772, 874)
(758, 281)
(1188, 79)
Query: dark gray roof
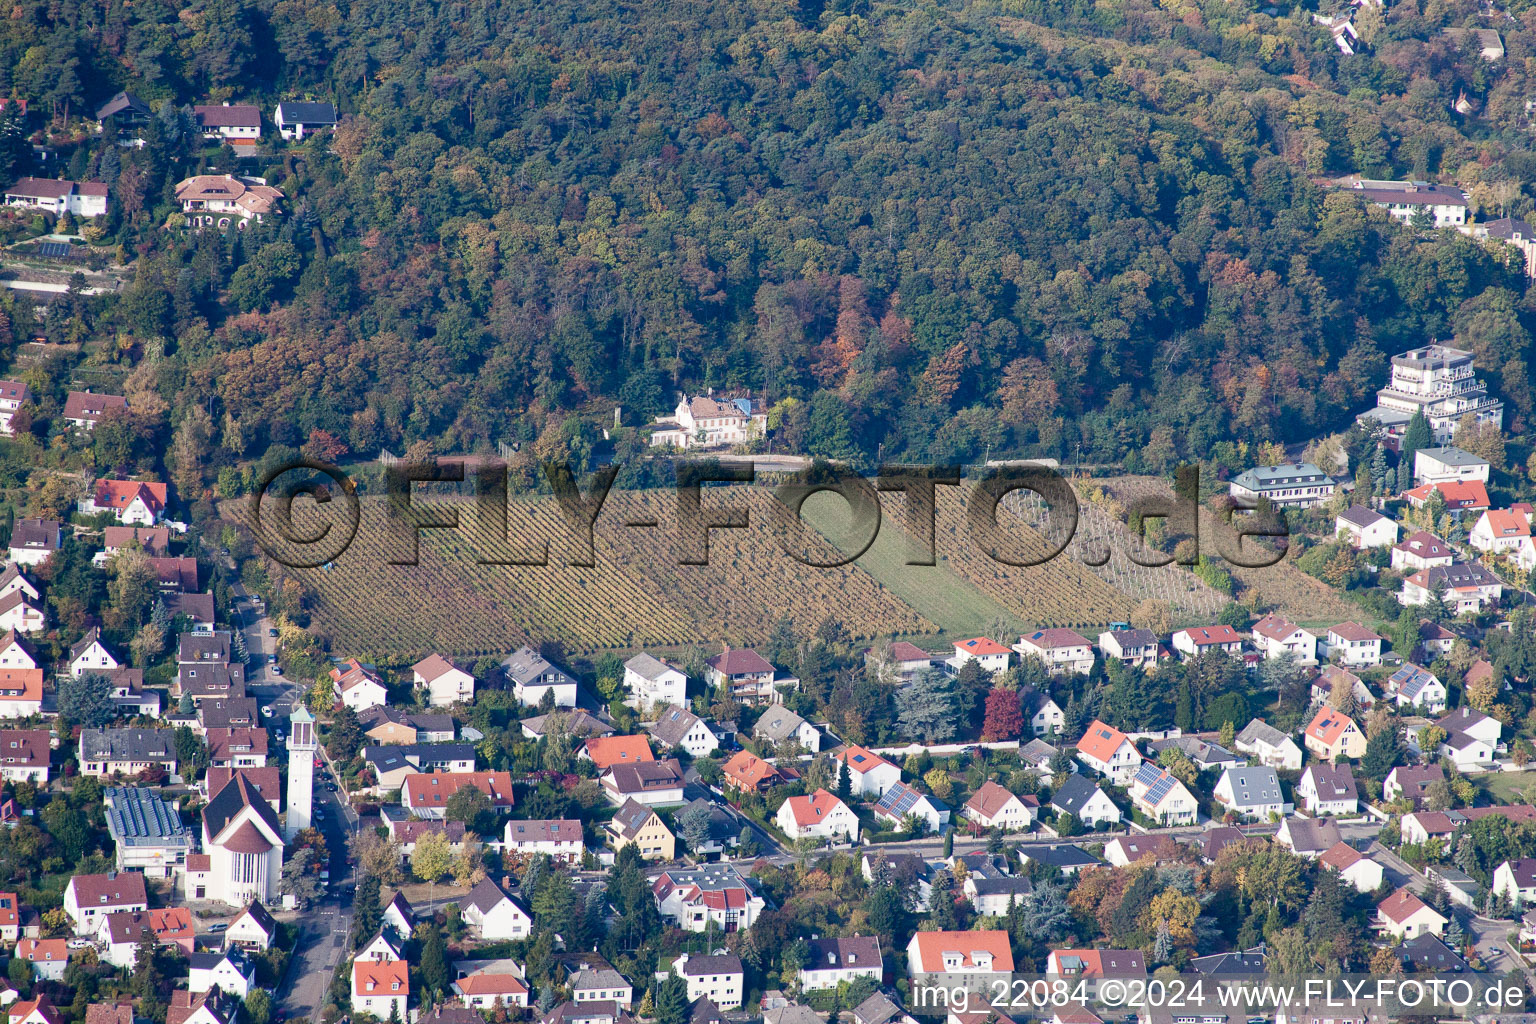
(877, 1009)
(234, 798)
(673, 725)
(123, 101)
(838, 954)
(1255, 785)
(525, 665)
(1063, 856)
(1073, 795)
(1361, 516)
(1428, 953)
(127, 745)
(1313, 835)
(304, 112)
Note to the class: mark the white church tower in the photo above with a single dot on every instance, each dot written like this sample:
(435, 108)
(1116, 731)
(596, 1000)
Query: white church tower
(301, 771)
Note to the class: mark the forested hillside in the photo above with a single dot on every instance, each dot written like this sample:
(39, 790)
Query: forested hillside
(928, 231)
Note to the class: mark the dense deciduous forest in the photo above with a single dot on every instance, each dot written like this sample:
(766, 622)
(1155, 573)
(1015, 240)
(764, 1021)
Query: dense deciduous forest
(932, 231)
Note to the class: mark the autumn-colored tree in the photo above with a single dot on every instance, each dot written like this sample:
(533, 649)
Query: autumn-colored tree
(1028, 392)
(325, 446)
(1004, 718)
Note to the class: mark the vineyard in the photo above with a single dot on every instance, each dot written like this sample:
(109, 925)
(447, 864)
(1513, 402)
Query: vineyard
(635, 596)
(1281, 587)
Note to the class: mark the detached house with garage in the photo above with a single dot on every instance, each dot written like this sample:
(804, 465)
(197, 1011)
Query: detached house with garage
(228, 121)
(531, 676)
(1109, 752)
(1062, 651)
(681, 729)
(651, 682)
(1352, 644)
(1253, 793)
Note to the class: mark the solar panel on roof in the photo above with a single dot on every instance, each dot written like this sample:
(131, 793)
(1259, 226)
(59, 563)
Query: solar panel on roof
(1159, 790)
(54, 250)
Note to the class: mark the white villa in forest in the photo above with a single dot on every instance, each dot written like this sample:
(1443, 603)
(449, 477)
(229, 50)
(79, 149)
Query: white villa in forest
(1438, 380)
(704, 421)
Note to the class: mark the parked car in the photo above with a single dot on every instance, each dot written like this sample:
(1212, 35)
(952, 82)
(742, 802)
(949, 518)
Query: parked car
(272, 631)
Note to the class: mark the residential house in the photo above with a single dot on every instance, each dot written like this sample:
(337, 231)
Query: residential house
(48, 957)
(1085, 801)
(1413, 686)
(986, 652)
(1131, 646)
(25, 755)
(1404, 916)
(1271, 746)
(560, 839)
(1332, 734)
(992, 806)
(494, 915)
(1421, 550)
(1353, 644)
(1297, 485)
(426, 795)
(1253, 793)
(229, 970)
(1464, 587)
(1063, 651)
(58, 197)
(1366, 528)
(1205, 755)
(230, 122)
(33, 541)
(834, 961)
(1276, 636)
(131, 502)
(1459, 498)
(1308, 838)
(1448, 465)
(1471, 738)
(532, 676)
(743, 675)
(253, 929)
(779, 725)
(719, 978)
(237, 748)
(1109, 752)
(639, 824)
(1328, 789)
(680, 729)
(1411, 782)
(21, 693)
(16, 615)
(820, 816)
(869, 774)
(903, 661)
(13, 395)
(358, 686)
(1066, 858)
(1422, 826)
(1162, 798)
(704, 421)
(221, 200)
(960, 953)
(498, 984)
(653, 681)
(575, 723)
(381, 988)
(1043, 714)
(1501, 532)
(1353, 866)
(90, 655)
(1191, 643)
(711, 895)
(595, 980)
(296, 118)
(1516, 881)
(607, 751)
(122, 751)
(446, 684)
(901, 800)
(653, 783)
(88, 899)
(724, 832)
(745, 772)
(14, 651)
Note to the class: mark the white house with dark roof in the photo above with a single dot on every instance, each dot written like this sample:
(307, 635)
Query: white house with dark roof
(1448, 465)
(1131, 646)
(652, 681)
(1445, 206)
(1271, 746)
(1062, 651)
(834, 961)
(1295, 485)
(1516, 880)
(532, 676)
(681, 729)
(1308, 837)
(296, 118)
(58, 197)
(1328, 789)
(494, 915)
(558, 838)
(1421, 550)
(1085, 801)
(780, 725)
(901, 800)
(720, 979)
(228, 121)
(1043, 714)
(745, 676)
(1252, 793)
(1366, 528)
